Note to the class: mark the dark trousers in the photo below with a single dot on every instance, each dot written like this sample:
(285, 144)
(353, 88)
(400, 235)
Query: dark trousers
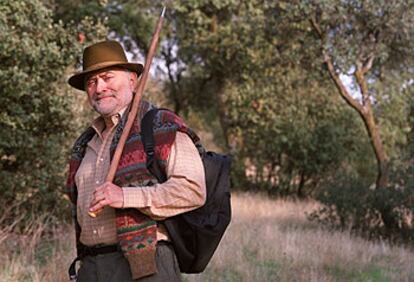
(114, 267)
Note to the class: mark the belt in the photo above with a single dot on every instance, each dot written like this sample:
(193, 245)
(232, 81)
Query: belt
(91, 251)
(98, 250)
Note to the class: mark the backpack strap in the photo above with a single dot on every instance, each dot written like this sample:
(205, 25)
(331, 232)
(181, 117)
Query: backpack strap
(147, 135)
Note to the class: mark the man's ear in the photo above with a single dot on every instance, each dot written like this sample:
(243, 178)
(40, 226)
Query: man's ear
(133, 78)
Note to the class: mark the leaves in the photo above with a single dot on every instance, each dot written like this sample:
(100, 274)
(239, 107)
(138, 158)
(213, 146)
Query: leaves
(37, 122)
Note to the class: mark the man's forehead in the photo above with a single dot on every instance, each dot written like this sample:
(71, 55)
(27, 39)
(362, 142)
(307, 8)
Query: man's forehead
(103, 72)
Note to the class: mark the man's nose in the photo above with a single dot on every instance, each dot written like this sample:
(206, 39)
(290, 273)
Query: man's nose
(100, 85)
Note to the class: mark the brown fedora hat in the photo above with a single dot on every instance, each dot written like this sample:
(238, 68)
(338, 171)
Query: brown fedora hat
(100, 56)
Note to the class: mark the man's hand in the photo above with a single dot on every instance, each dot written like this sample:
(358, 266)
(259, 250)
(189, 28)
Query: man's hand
(108, 194)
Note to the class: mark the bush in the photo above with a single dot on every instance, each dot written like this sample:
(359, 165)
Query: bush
(37, 119)
(386, 213)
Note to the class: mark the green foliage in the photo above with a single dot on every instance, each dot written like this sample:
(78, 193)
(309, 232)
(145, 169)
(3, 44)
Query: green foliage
(294, 135)
(350, 203)
(355, 32)
(379, 36)
(244, 53)
(394, 113)
(257, 66)
(37, 118)
(247, 63)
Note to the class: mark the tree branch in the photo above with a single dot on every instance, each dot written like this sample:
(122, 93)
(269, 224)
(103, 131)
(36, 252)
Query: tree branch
(316, 27)
(364, 110)
(360, 78)
(341, 87)
(368, 64)
(331, 69)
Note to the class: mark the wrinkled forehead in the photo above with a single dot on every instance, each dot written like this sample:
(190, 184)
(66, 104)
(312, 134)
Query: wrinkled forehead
(115, 70)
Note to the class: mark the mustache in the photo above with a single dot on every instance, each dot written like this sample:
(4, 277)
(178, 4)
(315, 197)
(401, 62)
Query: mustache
(99, 96)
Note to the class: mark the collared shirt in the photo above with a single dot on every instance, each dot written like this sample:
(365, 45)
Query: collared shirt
(183, 191)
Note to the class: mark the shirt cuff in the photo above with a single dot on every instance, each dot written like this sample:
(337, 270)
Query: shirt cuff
(135, 197)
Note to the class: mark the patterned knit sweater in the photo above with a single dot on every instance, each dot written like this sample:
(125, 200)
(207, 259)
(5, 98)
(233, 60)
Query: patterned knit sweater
(136, 232)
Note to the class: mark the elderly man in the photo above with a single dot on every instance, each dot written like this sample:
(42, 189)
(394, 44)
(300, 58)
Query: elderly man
(127, 240)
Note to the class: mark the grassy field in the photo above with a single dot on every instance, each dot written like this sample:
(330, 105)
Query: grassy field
(268, 240)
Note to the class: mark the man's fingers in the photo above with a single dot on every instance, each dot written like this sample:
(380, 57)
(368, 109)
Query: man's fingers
(98, 205)
(94, 214)
(106, 195)
(99, 192)
(96, 200)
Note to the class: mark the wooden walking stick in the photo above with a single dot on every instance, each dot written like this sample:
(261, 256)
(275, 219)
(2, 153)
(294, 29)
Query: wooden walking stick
(135, 103)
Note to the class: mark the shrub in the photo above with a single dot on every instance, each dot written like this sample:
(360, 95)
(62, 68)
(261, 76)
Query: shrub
(37, 119)
(352, 203)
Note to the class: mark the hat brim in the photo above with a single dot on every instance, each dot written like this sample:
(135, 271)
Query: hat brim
(78, 80)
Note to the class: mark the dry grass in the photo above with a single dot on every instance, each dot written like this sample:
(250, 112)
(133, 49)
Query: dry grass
(36, 257)
(271, 240)
(267, 240)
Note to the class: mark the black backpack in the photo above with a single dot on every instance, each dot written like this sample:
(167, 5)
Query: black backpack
(195, 235)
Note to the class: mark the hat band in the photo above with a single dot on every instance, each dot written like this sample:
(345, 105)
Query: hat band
(104, 64)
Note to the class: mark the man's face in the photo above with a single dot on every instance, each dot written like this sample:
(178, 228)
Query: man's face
(110, 90)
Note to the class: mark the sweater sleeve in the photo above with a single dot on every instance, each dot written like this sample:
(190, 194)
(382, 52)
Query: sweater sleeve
(184, 190)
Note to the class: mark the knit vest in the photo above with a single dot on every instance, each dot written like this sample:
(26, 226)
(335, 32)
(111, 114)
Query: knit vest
(136, 232)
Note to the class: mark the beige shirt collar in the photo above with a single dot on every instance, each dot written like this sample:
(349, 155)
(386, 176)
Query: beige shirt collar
(99, 124)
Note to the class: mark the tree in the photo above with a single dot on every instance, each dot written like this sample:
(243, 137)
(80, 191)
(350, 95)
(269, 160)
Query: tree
(294, 136)
(37, 120)
(371, 41)
(246, 65)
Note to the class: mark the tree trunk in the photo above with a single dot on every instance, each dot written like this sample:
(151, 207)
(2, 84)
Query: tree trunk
(222, 112)
(301, 185)
(174, 77)
(367, 114)
(364, 109)
(381, 156)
